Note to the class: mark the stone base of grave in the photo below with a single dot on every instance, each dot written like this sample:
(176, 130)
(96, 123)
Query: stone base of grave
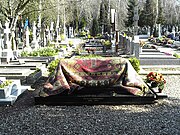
(93, 100)
(10, 100)
(6, 55)
(32, 78)
(87, 97)
(9, 95)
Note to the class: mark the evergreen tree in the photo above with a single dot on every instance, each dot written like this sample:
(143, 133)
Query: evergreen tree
(148, 15)
(130, 14)
(95, 29)
(103, 19)
(161, 18)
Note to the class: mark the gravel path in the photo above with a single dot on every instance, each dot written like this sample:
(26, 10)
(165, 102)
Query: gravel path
(162, 118)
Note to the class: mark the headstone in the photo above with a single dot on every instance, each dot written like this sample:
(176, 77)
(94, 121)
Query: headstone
(135, 19)
(13, 41)
(113, 15)
(131, 47)
(148, 31)
(57, 30)
(7, 44)
(35, 44)
(136, 46)
(51, 31)
(34, 31)
(1, 40)
(159, 30)
(173, 31)
(177, 29)
(46, 36)
(7, 52)
(121, 40)
(27, 36)
(27, 47)
(128, 44)
(71, 34)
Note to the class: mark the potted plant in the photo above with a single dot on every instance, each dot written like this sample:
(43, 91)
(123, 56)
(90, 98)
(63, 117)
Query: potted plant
(156, 80)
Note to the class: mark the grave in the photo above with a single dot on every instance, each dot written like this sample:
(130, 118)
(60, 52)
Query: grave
(16, 70)
(94, 46)
(20, 73)
(157, 57)
(91, 82)
(10, 93)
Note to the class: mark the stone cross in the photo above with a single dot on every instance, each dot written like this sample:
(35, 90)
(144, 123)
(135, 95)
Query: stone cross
(159, 30)
(34, 42)
(46, 35)
(7, 44)
(27, 37)
(173, 31)
(148, 31)
(57, 30)
(51, 31)
(1, 40)
(7, 53)
(34, 31)
(71, 32)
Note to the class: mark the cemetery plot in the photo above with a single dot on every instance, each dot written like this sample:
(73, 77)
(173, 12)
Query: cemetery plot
(158, 56)
(95, 81)
(10, 92)
(93, 46)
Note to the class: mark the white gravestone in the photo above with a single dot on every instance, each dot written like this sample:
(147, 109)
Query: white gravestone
(51, 31)
(137, 47)
(27, 48)
(27, 36)
(46, 35)
(159, 30)
(1, 40)
(34, 42)
(7, 44)
(148, 33)
(57, 31)
(7, 52)
(173, 31)
(71, 32)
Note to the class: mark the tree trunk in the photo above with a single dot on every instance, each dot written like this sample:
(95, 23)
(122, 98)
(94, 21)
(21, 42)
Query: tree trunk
(12, 35)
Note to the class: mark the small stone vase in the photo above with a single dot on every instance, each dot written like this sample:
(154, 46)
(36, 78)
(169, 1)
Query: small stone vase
(154, 84)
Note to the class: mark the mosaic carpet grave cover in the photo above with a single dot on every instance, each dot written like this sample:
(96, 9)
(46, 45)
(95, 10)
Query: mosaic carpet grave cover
(79, 73)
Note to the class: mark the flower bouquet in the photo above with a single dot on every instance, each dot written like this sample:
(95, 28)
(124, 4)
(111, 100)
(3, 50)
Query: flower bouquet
(5, 83)
(142, 43)
(4, 88)
(156, 80)
(91, 49)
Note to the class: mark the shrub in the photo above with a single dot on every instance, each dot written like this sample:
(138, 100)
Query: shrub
(135, 63)
(62, 37)
(107, 43)
(52, 66)
(34, 53)
(70, 43)
(176, 55)
(25, 54)
(89, 36)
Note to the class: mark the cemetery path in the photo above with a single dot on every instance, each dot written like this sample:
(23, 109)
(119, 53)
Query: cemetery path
(159, 118)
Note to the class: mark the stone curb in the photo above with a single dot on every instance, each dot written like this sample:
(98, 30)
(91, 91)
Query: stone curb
(143, 72)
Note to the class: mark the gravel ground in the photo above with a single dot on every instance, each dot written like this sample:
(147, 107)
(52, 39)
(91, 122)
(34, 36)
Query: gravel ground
(162, 118)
